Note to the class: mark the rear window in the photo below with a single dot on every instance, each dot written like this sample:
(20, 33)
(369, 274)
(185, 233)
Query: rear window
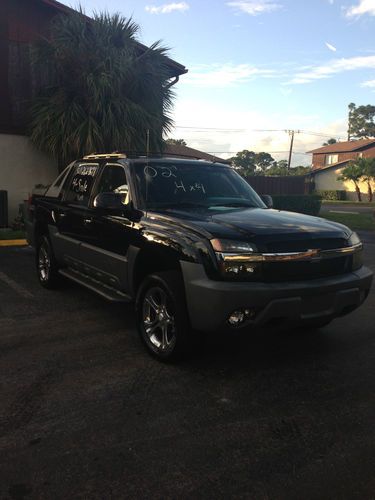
(81, 183)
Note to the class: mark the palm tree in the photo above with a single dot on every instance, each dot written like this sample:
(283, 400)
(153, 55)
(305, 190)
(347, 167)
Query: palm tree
(176, 142)
(104, 93)
(367, 166)
(352, 172)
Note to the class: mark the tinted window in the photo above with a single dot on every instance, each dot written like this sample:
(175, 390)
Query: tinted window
(113, 180)
(195, 184)
(81, 183)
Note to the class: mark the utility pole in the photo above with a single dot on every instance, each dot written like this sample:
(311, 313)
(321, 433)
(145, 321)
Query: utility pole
(291, 134)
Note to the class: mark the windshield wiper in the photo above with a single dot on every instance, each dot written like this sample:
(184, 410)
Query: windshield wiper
(185, 204)
(233, 204)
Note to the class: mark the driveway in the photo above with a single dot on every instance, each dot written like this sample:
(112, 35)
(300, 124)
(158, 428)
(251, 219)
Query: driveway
(86, 413)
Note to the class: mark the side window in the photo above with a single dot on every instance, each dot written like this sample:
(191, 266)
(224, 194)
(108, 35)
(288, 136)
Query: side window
(113, 180)
(81, 182)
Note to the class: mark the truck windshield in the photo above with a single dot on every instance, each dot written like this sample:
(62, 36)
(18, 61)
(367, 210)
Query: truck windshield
(193, 185)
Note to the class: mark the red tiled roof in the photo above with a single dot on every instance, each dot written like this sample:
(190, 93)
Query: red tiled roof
(343, 147)
(181, 151)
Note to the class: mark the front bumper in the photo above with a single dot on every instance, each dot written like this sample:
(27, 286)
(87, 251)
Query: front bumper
(211, 302)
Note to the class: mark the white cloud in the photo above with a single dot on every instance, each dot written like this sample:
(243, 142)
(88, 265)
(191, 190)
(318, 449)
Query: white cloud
(216, 75)
(333, 67)
(167, 8)
(199, 123)
(369, 83)
(363, 7)
(330, 47)
(254, 7)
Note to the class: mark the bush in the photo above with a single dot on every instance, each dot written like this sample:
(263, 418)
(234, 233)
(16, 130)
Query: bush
(332, 194)
(304, 204)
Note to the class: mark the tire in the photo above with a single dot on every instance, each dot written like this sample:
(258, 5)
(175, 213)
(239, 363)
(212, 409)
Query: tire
(162, 318)
(46, 265)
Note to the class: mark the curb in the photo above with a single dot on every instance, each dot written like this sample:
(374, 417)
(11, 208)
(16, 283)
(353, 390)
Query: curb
(13, 243)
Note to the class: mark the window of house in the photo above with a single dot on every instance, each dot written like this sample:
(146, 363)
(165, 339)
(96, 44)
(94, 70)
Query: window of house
(330, 159)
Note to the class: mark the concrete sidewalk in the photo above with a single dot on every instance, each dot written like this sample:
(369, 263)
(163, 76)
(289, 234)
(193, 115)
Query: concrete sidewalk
(13, 243)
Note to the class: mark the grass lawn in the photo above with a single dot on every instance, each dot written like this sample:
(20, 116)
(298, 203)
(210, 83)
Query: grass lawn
(364, 222)
(9, 234)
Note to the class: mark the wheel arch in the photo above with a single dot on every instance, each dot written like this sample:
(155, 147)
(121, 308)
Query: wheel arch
(151, 259)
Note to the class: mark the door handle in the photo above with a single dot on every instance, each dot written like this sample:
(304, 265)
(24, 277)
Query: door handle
(87, 220)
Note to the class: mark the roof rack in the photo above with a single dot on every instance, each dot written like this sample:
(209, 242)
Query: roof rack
(150, 154)
(158, 154)
(99, 156)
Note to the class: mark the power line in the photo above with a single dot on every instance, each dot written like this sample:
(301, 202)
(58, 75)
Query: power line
(237, 130)
(270, 152)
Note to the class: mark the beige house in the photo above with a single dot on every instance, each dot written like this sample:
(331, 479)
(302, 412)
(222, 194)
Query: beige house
(329, 161)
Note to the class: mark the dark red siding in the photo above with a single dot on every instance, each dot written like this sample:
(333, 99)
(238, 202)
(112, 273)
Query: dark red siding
(319, 159)
(21, 23)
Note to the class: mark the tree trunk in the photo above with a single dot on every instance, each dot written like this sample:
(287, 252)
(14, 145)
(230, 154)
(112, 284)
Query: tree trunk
(369, 191)
(358, 191)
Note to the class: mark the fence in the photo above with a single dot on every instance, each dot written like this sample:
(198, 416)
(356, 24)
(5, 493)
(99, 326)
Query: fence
(280, 185)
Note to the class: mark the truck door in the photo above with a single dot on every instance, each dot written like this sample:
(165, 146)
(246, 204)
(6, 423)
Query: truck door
(72, 216)
(111, 234)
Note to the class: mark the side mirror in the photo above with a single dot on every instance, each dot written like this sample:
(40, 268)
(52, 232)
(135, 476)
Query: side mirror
(110, 201)
(267, 199)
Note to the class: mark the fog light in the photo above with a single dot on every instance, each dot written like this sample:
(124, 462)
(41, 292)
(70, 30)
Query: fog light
(241, 315)
(236, 318)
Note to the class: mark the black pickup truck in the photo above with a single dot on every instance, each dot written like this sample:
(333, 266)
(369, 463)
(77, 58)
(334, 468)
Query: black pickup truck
(194, 247)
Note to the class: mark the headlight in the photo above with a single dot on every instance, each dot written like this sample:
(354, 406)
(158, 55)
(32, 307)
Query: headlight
(354, 239)
(357, 257)
(237, 267)
(232, 246)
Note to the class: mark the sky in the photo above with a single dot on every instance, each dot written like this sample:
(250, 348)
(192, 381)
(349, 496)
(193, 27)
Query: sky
(258, 68)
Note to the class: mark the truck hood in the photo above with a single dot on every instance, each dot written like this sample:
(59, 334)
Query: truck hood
(255, 224)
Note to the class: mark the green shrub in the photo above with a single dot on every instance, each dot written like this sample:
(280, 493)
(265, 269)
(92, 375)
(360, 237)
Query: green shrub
(332, 194)
(304, 204)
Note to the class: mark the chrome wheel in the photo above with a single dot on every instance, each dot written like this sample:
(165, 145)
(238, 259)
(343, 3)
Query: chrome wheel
(44, 264)
(158, 320)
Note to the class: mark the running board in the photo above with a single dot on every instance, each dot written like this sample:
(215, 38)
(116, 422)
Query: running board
(96, 286)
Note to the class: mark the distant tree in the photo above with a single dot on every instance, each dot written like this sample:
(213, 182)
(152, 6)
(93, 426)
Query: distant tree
(244, 162)
(263, 161)
(177, 142)
(330, 141)
(250, 163)
(352, 172)
(280, 168)
(300, 170)
(361, 121)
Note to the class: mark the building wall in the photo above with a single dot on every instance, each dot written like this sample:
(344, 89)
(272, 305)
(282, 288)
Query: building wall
(327, 180)
(21, 167)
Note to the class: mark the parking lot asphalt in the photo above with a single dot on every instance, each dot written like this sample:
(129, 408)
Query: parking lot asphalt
(86, 413)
